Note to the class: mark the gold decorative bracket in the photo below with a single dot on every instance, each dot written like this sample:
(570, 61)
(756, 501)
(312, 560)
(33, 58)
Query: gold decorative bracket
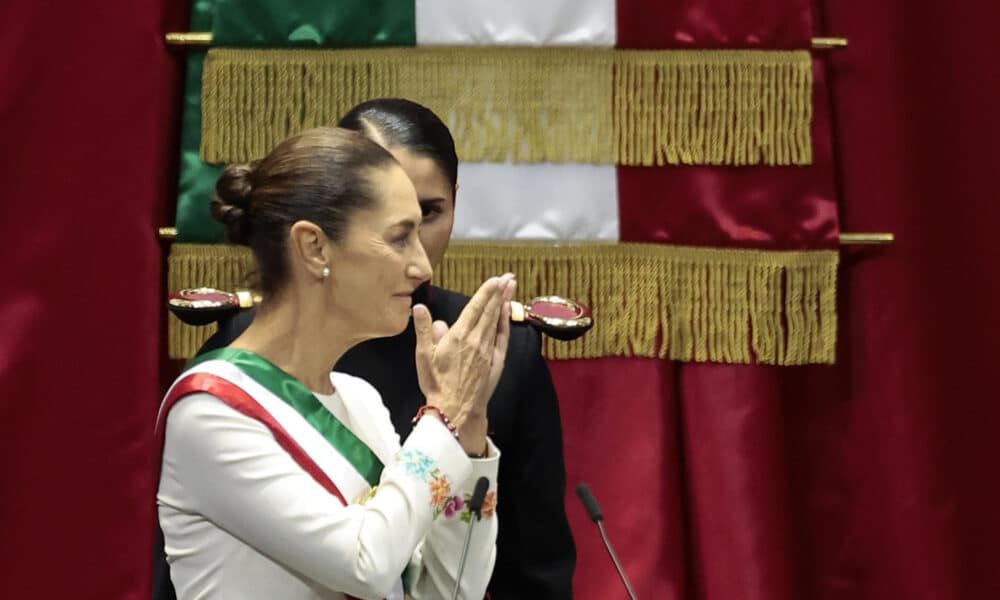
(169, 234)
(204, 38)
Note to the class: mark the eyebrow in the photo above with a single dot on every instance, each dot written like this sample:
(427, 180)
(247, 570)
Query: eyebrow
(436, 200)
(405, 224)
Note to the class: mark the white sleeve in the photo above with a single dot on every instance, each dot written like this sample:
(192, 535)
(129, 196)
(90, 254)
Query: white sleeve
(228, 467)
(435, 564)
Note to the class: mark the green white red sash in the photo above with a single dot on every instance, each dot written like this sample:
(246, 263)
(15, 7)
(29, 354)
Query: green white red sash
(322, 445)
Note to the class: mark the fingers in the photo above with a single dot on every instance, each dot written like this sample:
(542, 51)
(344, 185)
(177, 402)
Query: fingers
(508, 292)
(485, 329)
(474, 309)
(503, 328)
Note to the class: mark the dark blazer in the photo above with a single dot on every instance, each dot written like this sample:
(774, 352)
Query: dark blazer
(535, 550)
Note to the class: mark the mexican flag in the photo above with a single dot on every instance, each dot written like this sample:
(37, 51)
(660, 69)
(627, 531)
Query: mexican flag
(669, 164)
(685, 193)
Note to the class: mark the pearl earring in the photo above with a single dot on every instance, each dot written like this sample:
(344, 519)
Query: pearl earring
(326, 272)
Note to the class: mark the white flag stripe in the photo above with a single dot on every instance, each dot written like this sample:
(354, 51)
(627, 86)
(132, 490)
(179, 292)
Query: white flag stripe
(551, 201)
(516, 22)
(505, 201)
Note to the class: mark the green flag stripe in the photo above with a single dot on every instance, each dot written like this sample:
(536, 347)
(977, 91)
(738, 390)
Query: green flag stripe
(345, 23)
(276, 23)
(196, 181)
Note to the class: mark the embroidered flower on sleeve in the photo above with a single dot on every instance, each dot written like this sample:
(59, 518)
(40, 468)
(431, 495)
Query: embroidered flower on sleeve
(417, 463)
(489, 504)
(453, 506)
(424, 468)
(440, 488)
(459, 506)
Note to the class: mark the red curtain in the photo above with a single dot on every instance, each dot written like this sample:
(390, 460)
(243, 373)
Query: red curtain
(771, 208)
(88, 106)
(871, 479)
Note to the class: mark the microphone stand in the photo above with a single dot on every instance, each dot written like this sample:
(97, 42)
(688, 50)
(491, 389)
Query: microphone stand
(594, 512)
(475, 514)
(614, 559)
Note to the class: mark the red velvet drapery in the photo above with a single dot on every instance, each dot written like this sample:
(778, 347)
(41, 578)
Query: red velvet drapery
(871, 479)
(88, 127)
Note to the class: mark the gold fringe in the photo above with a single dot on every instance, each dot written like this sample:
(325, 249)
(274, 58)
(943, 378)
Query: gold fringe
(713, 107)
(649, 300)
(591, 105)
(221, 266)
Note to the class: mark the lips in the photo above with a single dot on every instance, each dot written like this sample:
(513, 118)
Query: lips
(418, 295)
(409, 293)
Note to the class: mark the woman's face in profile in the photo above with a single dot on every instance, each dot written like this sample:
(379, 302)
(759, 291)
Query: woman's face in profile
(437, 200)
(380, 261)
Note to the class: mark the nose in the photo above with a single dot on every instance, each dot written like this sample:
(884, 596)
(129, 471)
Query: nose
(419, 266)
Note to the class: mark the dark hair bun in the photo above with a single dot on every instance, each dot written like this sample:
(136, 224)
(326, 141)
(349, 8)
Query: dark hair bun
(231, 204)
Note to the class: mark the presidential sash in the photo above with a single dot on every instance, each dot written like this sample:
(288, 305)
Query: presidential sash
(322, 445)
(312, 435)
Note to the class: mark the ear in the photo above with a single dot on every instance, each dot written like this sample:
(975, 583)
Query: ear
(309, 247)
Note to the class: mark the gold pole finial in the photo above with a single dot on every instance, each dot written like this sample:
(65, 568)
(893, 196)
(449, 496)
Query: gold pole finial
(828, 43)
(189, 38)
(866, 239)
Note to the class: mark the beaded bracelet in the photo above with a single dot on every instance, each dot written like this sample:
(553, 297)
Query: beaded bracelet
(440, 413)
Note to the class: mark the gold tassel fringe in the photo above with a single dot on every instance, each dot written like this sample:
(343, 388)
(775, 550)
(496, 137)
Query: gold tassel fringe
(221, 266)
(713, 107)
(592, 105)
(649, 300)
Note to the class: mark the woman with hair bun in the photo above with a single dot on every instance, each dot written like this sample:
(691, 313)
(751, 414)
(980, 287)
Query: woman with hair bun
(535, 550)
(282, 479)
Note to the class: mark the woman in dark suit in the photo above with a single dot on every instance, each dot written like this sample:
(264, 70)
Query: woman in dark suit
(535, 550)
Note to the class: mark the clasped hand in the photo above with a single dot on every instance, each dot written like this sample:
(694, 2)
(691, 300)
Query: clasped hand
(458, 367)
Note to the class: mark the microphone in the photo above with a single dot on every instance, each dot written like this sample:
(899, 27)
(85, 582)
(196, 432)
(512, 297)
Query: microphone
(478, 497)
(476, 511)
(594, 511)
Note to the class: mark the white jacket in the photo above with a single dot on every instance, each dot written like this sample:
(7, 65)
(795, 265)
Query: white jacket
(243, 520)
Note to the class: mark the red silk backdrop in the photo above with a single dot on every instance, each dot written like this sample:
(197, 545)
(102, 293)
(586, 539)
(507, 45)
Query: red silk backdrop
(88, 107)
(871, 479)
(918, 122)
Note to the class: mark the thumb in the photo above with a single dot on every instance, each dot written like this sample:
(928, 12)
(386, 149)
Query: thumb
(424, 353)
(440, 328)
(424, 329)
